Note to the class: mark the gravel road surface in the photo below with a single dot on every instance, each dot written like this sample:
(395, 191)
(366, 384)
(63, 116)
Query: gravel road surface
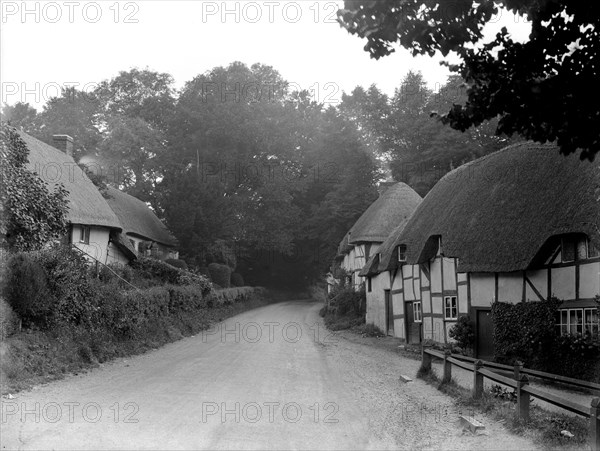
(270, 378)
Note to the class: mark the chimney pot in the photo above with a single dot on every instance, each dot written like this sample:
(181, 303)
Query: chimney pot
(64, 143)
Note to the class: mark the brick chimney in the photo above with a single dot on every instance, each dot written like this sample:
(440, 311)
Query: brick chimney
(383, 186)
(64, 143)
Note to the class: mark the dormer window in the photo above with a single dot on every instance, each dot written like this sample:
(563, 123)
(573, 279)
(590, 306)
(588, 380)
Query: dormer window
(402, 253)
(575, 248)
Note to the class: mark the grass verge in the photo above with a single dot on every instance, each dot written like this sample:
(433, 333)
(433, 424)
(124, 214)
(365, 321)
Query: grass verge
(543, 427)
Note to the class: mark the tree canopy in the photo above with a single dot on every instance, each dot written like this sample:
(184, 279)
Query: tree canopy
(540, 89)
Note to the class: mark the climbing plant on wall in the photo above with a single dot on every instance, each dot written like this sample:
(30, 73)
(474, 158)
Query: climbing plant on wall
(32, 214)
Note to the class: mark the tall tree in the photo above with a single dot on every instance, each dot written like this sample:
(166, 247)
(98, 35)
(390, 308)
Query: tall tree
(20, 115)
(74, 113)
(539, 89)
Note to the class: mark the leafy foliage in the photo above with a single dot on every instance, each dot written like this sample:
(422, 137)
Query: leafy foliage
(151, 268)
(413, 146)
(527, 331)
(181, 264)
(463, 332)
(220, 274)
(237, 280)
(270, 173)
(33, 215)
(49, 287)
(539, 89)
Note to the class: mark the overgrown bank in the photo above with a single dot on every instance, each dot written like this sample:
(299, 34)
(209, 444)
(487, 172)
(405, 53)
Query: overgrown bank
(72, 319)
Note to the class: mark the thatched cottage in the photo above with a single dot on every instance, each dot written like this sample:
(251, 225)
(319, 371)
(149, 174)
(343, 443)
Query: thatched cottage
(395, 204)
(144, 231)
(91, 221)
(520, 224)
(105, 230)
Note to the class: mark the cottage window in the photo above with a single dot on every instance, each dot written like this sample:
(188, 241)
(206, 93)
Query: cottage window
(583, 321)
(402, 253)
(568, 249)
(576, 248)
(84, 234)
(450, 307)
(369, 286)
(417, 312)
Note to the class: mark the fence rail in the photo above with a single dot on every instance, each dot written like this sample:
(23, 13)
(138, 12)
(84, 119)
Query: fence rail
(595, 388)
(520, 382)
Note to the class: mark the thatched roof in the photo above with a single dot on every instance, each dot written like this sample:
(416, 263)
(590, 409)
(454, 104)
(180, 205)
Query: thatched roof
(396, 204)
(495, 213)
(137, 218)
(344, 247)
(122, 243)
(86, 204)
(386, 257)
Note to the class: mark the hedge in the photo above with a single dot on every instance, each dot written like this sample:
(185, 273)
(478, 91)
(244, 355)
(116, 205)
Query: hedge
(181, 264)
(56, 287)
(237, 280)
(527, 331)
(220, 274)
(165, 273)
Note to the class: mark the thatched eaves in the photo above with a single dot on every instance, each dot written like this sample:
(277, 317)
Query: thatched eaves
(137, 218)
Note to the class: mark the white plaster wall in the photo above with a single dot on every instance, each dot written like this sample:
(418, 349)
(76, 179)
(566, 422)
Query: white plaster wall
(589, 280)
(510, 287)
(539, 279)
(563, 282)
(449, 274)
(482, 289)
(98, 245)
(436, 276)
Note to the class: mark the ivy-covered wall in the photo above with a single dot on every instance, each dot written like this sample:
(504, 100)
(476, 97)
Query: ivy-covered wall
(32, 215)
(527, 331)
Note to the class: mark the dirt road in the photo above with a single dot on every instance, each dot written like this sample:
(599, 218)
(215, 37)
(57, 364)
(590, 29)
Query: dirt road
(269, 378)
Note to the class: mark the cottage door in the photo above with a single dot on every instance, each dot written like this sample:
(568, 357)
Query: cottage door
(485, 340)
(413, 329)
(389, 313)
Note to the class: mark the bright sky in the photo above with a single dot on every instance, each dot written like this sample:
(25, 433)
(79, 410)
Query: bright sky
(45, 44)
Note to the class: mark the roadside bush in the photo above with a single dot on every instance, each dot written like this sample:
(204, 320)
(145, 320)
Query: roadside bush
(203, 270)
(185, 299)
(220, 274)
(150, 268)
(9, 320)
(575, 356)
(26, 288)
(220, 252)
(318, 292)
(140, 309)
(49, 287)
(347, 300)
(237, 280)
(68, 278)
(526, 331)
(181, 264)
(463, 333)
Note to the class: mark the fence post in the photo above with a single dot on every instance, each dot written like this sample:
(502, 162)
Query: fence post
(477, 379)
(425, 359)
(447, 367)
(595, 425)
(522, 398)
(517, 369)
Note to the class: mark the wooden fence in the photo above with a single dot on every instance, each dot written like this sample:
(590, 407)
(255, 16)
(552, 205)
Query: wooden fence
(520, 382)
